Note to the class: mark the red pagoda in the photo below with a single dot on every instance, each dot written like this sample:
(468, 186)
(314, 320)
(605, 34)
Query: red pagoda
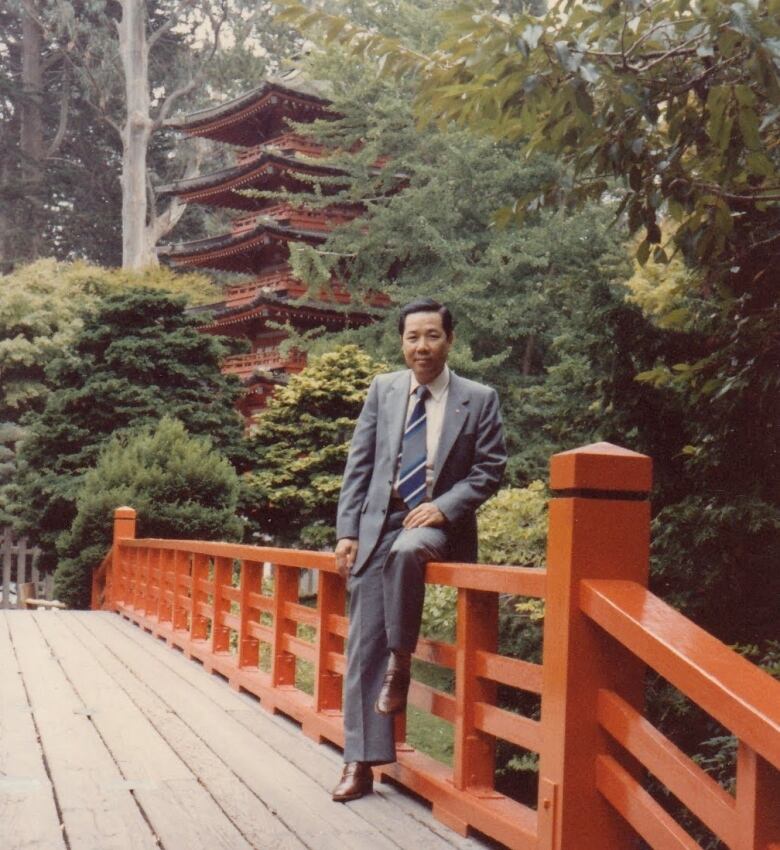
(271, 158)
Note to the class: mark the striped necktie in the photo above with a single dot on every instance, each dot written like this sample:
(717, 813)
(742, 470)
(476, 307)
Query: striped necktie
(414, 453)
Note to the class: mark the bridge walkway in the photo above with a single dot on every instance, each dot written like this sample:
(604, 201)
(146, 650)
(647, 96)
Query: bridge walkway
(111, 741)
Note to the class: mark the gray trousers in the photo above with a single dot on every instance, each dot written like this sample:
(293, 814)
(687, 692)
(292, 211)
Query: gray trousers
(385, 610)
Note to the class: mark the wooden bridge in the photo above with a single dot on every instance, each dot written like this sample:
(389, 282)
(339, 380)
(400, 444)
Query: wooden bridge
(112, 739)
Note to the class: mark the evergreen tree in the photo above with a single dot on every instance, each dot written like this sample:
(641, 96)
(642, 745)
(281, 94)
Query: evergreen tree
(299, 447)
(431, 232)
(179, 486)
(42, 308)
(138, 357)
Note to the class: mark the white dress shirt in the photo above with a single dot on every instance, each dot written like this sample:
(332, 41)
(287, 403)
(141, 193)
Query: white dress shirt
(435, 404)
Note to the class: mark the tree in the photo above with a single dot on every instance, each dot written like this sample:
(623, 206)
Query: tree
(137, 358)
(299, 447)
(87, 88)
(34, 116)
(42, 309)
(677, 101)
(179, 486)
(428, 230)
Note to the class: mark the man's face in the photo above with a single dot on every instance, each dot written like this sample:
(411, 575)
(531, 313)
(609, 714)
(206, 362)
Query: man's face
(425, 345)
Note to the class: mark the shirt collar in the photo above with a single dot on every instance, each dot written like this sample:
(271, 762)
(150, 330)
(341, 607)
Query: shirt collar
(438, 386)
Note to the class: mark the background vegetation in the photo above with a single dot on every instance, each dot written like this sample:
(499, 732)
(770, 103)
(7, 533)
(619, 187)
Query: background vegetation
(595, 191)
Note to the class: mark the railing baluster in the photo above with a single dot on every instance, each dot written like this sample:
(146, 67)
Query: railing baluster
(248, 646)
(158, 573)
(165, 608)
(220, 633)
(285, 590)
(331, 599)
(146, 594)
(138, 554)
(198, 623)
(117, 578)
(477, 629)
(178, 609)
(758, 801)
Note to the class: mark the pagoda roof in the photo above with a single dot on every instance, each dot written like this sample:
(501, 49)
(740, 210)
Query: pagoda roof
(247, 252)
(270, 171)
(254, 116)
(305, 311)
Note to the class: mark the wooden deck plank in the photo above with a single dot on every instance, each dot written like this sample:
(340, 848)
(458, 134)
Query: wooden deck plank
(28, 811)
(290, 792)
(181, 811)
(257, 823)
(98, 810)
(390, 810)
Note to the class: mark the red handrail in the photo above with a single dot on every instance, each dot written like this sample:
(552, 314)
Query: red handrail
(602, 627)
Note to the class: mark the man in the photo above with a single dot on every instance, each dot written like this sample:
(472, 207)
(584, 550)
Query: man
(427, 450)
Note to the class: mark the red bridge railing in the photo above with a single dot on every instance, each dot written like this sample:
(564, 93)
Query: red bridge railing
(602, 630)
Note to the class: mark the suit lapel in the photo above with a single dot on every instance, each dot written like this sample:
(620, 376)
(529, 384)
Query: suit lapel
(397, 404)
(455, 413)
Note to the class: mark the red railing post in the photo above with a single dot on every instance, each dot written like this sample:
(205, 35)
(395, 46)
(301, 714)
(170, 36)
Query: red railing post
(758, 801)
(599, 527)
(331, 599)
(117, 579)
(477, 629)
(223, 577)
(285, 590)
(199, 623)
(251, 582)
(178, 609)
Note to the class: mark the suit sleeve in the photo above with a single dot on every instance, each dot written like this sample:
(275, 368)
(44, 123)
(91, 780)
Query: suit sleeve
(359, 468)
(490, 459)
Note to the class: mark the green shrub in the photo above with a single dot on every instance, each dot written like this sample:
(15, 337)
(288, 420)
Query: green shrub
(179, 485)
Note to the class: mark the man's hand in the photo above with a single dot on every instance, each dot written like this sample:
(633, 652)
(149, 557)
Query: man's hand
(425, 514)
(346, 552)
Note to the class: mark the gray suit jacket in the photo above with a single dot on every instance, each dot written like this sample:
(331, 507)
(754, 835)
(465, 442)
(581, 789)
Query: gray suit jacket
(469, 462)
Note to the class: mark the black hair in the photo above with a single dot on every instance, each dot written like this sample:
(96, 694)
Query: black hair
(426, 305)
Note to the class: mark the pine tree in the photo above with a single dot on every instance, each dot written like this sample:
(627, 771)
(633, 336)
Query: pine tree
(179, 486)
(138, 358)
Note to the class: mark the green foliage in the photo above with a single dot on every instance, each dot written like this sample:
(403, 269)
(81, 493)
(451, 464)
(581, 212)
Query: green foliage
(678, 101)
(299, 447)
(179, 486)
(510, 288)
(42, 309)
(137, 358)
(738, 534)
(439, 612)
(672, 109)
(513, 526)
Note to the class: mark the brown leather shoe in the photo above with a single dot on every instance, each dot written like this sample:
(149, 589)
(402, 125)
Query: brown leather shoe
(356, 780)
(395, 687)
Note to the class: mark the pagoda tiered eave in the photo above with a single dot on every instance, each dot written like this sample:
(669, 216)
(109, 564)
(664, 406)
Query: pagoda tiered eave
(253, 117)
(269, 172)
(246, 252)
(265, 307)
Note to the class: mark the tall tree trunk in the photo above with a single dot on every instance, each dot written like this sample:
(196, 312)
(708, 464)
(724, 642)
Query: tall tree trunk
(32, 146)
(6, 244)
(134, 52)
